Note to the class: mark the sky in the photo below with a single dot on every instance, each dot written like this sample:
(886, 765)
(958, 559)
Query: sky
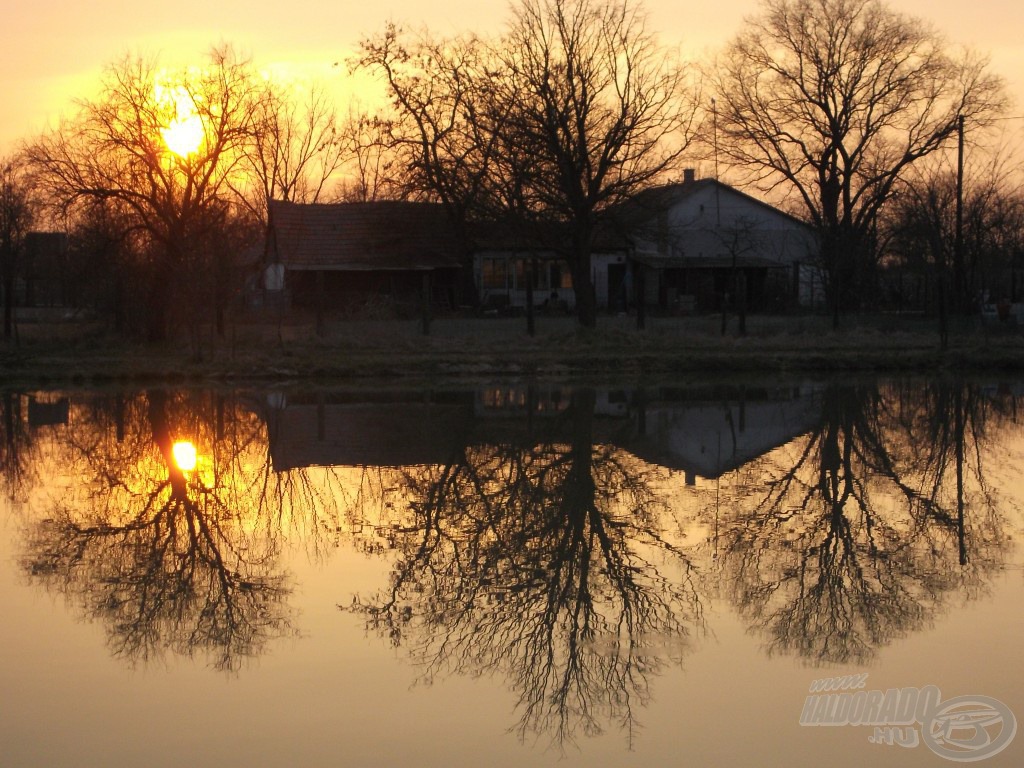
(53, 52)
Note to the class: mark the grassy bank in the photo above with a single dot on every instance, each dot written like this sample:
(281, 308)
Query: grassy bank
(459, 347)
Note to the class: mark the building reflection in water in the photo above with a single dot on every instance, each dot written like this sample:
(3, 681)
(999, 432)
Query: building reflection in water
(571, 538)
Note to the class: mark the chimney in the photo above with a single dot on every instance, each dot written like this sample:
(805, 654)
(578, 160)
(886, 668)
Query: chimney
(689, 175)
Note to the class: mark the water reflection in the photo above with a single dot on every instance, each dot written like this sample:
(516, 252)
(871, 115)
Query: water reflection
(858, 531)
(542, 556)
(570, 539)
(164, 557)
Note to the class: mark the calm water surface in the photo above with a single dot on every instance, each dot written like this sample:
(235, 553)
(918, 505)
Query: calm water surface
(516, 574)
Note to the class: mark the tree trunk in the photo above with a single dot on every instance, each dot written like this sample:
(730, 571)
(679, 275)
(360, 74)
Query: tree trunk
(7, 273)
(426, 295)
(156, 319)
(8, 306)
(583, 286)
(641, 302)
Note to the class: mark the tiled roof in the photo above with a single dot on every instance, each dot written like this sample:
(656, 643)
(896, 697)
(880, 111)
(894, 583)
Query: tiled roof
(381, 235)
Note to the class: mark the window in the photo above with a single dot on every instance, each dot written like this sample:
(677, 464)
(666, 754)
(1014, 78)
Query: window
(522, 269)
(561, 276)
(495, 273)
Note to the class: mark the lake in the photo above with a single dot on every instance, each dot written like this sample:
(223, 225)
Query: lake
(773, 572)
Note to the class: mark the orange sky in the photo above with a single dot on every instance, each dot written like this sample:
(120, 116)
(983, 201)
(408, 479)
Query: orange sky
(51, 52)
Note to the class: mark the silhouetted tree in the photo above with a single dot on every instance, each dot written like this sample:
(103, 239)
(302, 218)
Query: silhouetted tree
(16, 215)
(601, 112)
(439, 137)
(831, 102)
(372, 169)
(165, 557)
(573, 110)
(117, 149)
(920, 227)
(294, 149)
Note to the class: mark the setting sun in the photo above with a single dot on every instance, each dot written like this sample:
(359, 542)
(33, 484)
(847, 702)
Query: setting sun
(184, 131)
(184, 135)
(184, 455)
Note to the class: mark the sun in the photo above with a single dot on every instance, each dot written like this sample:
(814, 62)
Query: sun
(184, 131)
(185, 456)
(184, 135)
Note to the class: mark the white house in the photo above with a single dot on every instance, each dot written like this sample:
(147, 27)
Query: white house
(695, 242)
(686, 246)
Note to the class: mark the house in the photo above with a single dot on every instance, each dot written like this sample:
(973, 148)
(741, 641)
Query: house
(686, 246)
(506, 258)
(365, 257)
(710, 432)
(695, 242)
(678, 247)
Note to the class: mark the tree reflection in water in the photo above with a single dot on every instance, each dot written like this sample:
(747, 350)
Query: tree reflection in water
(543, 559)
(543, 552)
(164, 558)
(855, 534)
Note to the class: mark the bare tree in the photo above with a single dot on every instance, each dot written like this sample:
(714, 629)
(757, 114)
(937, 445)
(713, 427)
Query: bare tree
(16, 215)
(602, 111)
(167, 149)
(371, 166)
(831, 101)
(439, 91)
(295, 147)
(921, 228)
(573, 110)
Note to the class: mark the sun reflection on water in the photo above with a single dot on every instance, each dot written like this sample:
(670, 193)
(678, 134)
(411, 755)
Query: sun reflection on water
(185, 456)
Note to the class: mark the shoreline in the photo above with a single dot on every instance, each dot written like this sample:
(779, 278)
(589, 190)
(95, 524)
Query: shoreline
(459, 348)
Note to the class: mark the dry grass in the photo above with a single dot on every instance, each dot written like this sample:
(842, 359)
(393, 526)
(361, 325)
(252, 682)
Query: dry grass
(471, 346)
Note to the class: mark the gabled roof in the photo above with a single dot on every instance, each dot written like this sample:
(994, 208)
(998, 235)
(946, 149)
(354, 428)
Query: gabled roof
(655, 200)
(380, 235)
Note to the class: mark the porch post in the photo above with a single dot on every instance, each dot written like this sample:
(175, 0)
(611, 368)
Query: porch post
(640, 298)
(530, 274)
(426, 303)
(320, 290)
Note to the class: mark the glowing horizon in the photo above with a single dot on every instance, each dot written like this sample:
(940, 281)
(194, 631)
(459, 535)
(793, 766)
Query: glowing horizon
(61, 50)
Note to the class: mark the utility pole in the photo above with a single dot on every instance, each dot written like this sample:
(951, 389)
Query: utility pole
(714, 124)
(959, 276)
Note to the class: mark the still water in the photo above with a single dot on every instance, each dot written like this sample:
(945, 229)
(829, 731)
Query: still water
(514, 574)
